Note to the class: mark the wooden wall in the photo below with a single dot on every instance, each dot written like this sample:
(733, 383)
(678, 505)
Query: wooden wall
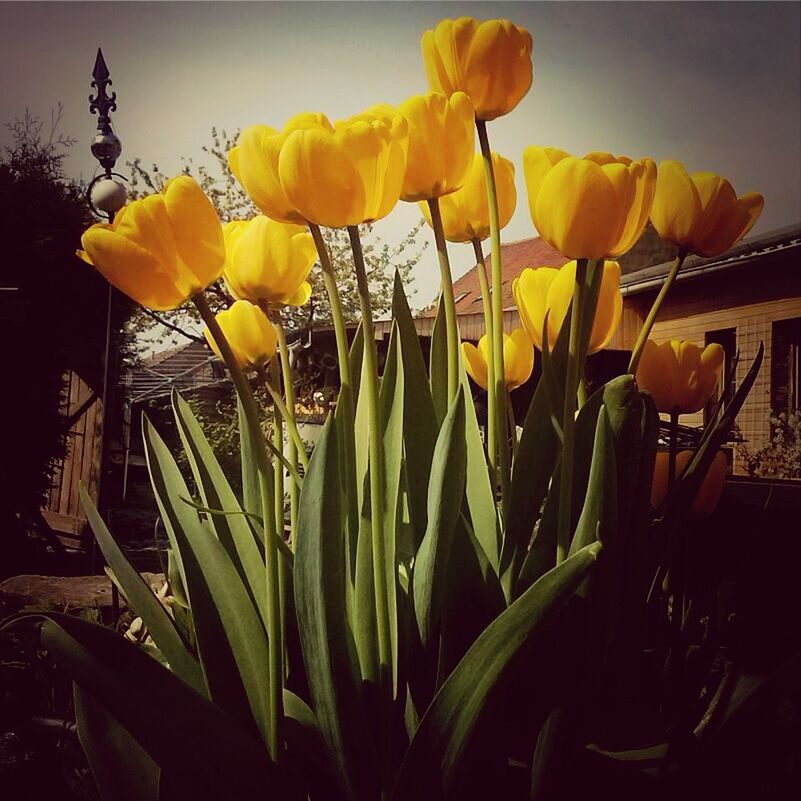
(63, 512)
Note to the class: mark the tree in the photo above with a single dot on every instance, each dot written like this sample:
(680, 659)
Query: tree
(52, 312)
(232, 203)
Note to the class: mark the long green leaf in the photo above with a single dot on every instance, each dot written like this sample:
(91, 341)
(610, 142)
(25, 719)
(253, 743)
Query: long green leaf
(144, 602)
(250, 477)
(231, 638)
(419, 423)
(438, 365)
(233, 530)
(188, 736)
(328, 648)
(122, 769)
(437, 753)
(445, 498)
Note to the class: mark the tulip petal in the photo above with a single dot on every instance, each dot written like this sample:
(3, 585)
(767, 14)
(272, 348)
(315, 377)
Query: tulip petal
(677, 206)
(475, 364)
(530, 291)
(195, 228)
(642, 186)
(656, 373)
(518, 358)
(300, 297)
(537, 163)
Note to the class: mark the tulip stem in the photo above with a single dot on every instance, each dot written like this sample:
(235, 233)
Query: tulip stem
(337, 315)
(271, 555)
(289, 393)
(572, 375)
(642, 338)
(673, 446)
(486, 302)
(376, 459)
(446, 280)
(498, 387)
(278, 444)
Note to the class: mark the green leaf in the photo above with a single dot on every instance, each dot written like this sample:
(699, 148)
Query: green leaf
(419, 423)
(250, 478)
(478, 489)
(445, 498)
(328, 648)
(391, 400)
(230, 635)
(186, 735)
(534, 465)
(232, 530)
(437, 754)
(599, 513)
(142, 600)
(438, 365)
(122, 769)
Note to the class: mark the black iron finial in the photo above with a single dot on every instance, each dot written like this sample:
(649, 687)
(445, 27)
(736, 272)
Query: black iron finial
(106, 146)
(104, 194)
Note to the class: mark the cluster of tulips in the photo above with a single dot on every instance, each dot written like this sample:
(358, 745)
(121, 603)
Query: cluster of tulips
(362, 656)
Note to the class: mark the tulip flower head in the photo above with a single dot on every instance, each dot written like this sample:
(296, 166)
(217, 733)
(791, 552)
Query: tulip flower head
(268, 260)
(441, 136)
(465, 212)
(708, 497)
(518, 359)
(547, 289)
(588, 208)
(162, 249)
(346, 175)
(249, 333)
(490, 61)
(254, 163)
(680, 376)
(701, 213)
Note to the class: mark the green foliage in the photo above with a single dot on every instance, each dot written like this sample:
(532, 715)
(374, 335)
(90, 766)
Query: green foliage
(781, 457)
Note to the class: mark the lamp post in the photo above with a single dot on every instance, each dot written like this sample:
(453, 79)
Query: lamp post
(105, 196)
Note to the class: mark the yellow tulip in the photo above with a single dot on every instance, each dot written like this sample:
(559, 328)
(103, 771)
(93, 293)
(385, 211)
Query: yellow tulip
(708, 497)
(249, 333)
(465, 213)
(441, 136)
(518, 359)
(347, 175)
(254, 163)
(490, 61)
(162, 249)
(268, 260)
(547, 289)
(701, 213)
(591, 207)
(679, 375)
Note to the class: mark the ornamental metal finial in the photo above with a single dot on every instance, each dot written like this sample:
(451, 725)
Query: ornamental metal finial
(106, 146)
(105, 195)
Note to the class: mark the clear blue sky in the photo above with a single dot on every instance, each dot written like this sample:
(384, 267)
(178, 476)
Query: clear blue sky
(715, 85)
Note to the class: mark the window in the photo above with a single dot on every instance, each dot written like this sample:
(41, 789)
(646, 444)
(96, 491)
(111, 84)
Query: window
(727, 339)
(785, 365)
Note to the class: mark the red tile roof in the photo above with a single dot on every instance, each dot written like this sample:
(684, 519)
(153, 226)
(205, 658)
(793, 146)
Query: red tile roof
(515, 257)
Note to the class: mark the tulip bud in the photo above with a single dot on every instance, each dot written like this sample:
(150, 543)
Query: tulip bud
(679, 375)
(546, 289)
(489, 61)
(518, 359)
(249, 334)
(162, 249)
(465, 212)
(701, 212)
(588, 208)
(708, 497)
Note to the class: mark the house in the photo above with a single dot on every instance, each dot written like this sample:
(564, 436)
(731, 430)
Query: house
(749, 295)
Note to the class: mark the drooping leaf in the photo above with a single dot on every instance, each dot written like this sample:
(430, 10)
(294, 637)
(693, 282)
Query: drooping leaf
(144, 602)
(233, 530)
(230, 635)
(250, 477)
(122, 769)
(437, 753)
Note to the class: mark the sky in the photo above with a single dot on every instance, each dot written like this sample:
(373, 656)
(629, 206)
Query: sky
(714, 85)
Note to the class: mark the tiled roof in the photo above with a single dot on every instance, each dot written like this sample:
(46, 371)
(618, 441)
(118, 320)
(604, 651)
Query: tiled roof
(515, 257)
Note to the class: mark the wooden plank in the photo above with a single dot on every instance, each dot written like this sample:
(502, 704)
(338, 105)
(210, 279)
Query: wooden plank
(80, 444)
(66, 524)
(58, 473)
(66, 476)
